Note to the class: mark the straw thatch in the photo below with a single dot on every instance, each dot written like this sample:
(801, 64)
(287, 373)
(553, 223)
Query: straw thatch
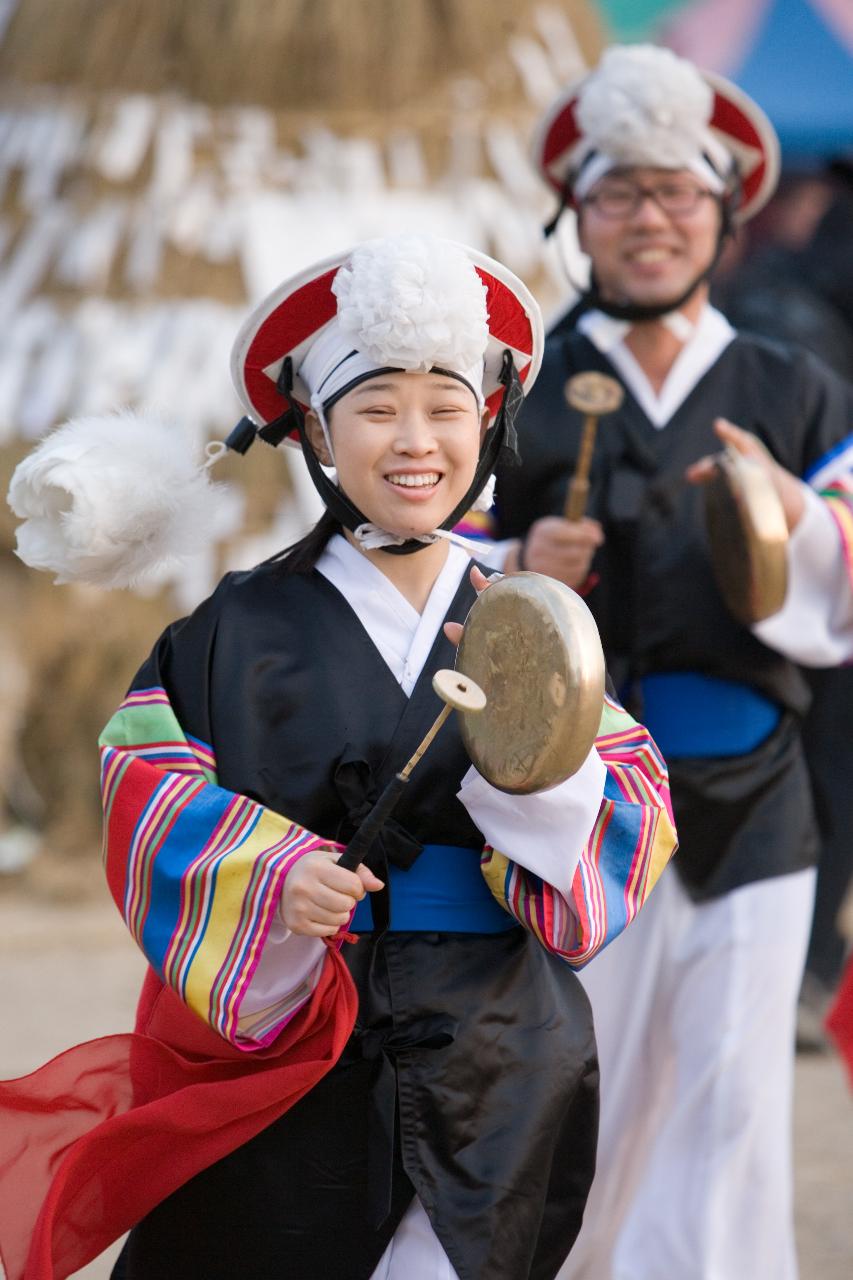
(319, 54)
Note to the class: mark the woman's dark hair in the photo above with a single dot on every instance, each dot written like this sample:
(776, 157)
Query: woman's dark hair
(303, 555)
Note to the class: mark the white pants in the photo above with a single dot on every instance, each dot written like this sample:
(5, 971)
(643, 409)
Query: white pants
(694, 1010)
(414, 1252)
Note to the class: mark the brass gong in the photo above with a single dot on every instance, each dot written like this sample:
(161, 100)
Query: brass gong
(532, 646)
(748, 535)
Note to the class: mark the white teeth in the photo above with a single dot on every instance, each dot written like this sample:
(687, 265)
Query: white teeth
(415, 482)
(650, 255)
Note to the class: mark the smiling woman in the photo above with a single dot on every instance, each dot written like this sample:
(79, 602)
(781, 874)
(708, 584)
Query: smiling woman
(405, 447)
(334, 1080)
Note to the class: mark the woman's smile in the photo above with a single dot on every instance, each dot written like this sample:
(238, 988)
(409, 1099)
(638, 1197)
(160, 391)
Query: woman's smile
(414, 486)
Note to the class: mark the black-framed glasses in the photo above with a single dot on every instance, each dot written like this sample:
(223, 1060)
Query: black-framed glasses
(678, 198)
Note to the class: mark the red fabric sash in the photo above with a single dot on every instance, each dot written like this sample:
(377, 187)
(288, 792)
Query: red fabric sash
(97, 1137)
(839, 1021)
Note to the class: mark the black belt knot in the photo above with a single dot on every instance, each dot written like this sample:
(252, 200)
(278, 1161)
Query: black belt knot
(358, 791)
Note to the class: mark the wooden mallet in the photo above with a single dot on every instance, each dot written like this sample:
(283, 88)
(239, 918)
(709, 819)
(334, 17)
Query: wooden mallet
(592, 394)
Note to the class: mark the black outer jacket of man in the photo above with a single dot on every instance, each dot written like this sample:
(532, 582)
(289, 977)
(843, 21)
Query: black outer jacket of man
(740, 819)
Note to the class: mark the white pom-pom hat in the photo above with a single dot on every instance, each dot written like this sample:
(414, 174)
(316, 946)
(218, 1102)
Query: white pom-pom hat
(408, 302)
(644, 105)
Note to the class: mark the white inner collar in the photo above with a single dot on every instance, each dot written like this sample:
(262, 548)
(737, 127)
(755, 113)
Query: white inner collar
(711, 334)
(403, 636)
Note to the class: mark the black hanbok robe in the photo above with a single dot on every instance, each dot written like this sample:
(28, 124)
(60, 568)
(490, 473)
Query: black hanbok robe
(471, 1077)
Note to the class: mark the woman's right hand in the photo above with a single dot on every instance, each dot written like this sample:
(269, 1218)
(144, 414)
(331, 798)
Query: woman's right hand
(319, 896)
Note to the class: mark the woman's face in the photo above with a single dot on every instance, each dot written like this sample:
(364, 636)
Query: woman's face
(406, 447)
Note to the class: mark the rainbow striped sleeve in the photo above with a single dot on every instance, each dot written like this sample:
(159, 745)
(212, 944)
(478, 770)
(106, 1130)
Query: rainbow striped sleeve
(628, 848)
(479, 526)
(832, 477)
(196, 871)
(838, 496)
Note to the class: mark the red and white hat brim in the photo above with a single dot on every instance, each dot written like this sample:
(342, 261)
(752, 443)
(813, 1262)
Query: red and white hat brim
(289, 321)
(736, 121)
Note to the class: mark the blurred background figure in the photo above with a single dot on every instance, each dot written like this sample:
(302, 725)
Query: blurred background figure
(791, 278)
(661, 164)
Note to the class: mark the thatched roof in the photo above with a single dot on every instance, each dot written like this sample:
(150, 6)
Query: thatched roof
(327, 54)
(132, 222)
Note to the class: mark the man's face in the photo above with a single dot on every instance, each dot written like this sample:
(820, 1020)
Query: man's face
(649, 233)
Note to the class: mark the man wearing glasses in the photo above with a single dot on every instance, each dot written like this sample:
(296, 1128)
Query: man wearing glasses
(660, 163)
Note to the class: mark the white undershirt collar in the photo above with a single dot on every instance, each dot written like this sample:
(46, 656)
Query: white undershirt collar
(403, 636)
(711, 334)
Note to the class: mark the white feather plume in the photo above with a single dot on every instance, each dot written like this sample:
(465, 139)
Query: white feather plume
(413, 302)
(114, 501)
(645, 105)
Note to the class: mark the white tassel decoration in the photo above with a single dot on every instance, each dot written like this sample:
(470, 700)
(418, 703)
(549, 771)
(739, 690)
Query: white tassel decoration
(487, 496)
(413, 302)
(643, 105)
(114, 501)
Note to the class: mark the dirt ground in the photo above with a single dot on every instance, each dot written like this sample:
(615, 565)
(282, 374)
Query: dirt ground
(71, 972)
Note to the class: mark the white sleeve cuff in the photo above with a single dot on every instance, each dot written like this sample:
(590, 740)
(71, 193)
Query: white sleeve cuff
(287, 963)
(815, 624)
(546, 832)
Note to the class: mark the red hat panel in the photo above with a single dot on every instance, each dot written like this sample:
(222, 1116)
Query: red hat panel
(744, 129)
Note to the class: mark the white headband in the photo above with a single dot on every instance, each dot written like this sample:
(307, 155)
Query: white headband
(597, 165)
(333, 363)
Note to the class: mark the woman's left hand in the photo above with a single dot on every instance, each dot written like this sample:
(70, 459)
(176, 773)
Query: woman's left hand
(479, 581)
(788, 487)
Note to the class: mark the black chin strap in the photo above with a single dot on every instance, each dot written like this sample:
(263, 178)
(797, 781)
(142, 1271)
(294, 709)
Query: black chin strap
(500, 445)
(594, 300)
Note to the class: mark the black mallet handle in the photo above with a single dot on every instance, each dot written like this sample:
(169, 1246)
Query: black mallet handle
(455, 690)
(358, 848)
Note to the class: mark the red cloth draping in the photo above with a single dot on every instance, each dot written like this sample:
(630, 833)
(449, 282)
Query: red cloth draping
(97, 1137)
(839, 1021)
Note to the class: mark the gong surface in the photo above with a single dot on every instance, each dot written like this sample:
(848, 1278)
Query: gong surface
(532, 646)
(748, 536)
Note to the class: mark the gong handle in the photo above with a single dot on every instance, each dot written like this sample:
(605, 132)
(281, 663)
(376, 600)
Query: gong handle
(437, 723)
(577, 498)
(359, 847)
(578, 493)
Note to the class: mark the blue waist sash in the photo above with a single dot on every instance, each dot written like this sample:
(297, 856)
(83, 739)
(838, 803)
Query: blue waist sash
(443, 891)
(689, 714)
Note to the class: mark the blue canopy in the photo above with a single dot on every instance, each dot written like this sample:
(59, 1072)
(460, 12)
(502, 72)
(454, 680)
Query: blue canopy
(796, 62)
